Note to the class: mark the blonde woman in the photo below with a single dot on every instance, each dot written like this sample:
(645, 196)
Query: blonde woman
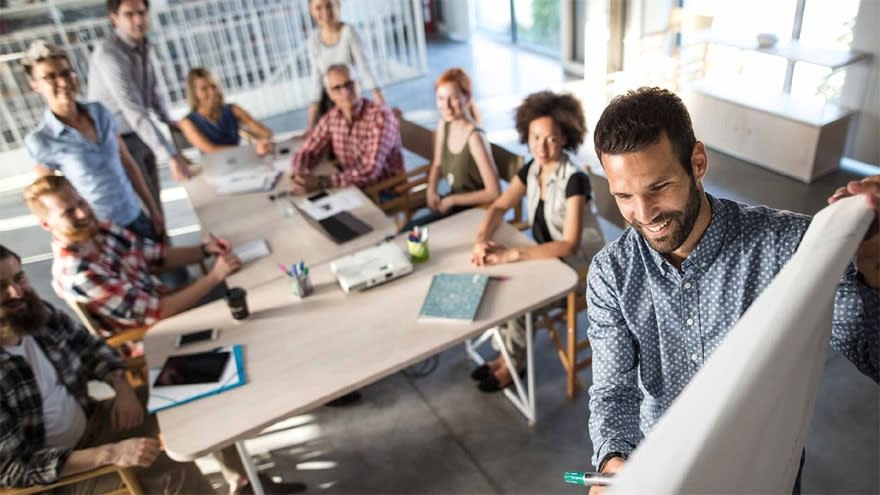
(213, 125)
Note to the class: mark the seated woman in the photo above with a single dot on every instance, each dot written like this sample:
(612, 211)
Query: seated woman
(562, 222)
(461, 152)
(212, 125)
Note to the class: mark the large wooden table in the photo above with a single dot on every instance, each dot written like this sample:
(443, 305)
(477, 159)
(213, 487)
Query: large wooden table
(242, 218)
(299, 354)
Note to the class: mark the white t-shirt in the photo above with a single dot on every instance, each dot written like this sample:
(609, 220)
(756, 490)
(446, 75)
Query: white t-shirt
(63, 418)
(348, 50)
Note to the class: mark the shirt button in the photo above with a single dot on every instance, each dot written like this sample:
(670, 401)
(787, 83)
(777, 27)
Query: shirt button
(703, 265)
(687, 285)
(690, 321)
(694, 357)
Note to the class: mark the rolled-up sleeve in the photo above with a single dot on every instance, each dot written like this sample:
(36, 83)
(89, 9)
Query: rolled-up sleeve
(114, 71)
(614, 396)
(855, 324)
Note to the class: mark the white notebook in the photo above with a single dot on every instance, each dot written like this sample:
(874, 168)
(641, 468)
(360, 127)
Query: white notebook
(251, 251)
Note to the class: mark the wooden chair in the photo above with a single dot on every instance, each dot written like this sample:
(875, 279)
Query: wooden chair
(127, 476)
(508, 164)
(551, 318)
(409, 189)
(137, 366)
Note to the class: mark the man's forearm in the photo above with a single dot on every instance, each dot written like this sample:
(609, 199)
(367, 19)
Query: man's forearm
(187, 297)
(181, 256)
(87, 459)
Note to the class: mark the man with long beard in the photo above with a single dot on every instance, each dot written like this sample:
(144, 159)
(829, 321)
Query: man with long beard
(49, 426)
(665, 294)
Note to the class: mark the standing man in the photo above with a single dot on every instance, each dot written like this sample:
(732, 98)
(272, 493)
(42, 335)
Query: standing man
(122, 77)
(364, 137)
(665, 294)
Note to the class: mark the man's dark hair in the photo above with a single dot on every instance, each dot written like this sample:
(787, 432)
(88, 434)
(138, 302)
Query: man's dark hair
(5, 252)
(637, 119)
(565, 110)
(113, 5)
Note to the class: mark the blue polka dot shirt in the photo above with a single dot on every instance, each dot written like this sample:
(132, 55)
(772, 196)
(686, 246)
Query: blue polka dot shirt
(652, 326)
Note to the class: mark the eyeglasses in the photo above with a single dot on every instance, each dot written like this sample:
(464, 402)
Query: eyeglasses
(346, 85)
(66, 74)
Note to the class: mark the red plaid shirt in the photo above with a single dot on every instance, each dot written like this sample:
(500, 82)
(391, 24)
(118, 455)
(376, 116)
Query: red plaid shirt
(368, 149)
(111, 276)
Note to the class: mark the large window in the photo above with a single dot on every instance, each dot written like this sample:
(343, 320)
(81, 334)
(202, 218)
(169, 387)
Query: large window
(531, 23)
(817, 24)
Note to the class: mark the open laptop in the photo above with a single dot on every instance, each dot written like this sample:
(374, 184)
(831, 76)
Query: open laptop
(340, 227)
(371, 267)
(228, 161)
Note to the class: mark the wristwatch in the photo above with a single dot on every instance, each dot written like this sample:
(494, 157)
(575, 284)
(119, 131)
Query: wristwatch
(608, 457)
(323, 182)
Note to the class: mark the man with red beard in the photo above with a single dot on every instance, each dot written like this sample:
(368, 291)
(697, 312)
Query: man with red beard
(49, 426)
(664, 295)
(110, 269)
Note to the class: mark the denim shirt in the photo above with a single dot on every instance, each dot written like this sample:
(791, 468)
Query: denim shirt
(653, 326)
(94, 169)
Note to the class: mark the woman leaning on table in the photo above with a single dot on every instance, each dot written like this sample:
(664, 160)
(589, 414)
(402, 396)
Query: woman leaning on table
(558, 195)
(461, 152)
(213, 125)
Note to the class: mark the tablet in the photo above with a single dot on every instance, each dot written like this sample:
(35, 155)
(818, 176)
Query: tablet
(190, 369)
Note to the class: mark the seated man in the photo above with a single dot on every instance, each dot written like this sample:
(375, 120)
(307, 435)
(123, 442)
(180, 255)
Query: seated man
(109, 269)
(50, 426)
(363, 136)
(664, 295)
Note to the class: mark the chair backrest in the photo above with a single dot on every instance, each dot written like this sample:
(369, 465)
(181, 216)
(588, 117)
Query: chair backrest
(417, 139)
(84, 316)
(605, 201)
(508, 162)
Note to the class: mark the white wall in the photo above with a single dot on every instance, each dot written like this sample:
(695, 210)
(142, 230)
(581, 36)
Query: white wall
(458, 15)
(863, 143)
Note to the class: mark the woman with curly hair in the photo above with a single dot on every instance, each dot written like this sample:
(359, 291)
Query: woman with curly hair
(562, 222)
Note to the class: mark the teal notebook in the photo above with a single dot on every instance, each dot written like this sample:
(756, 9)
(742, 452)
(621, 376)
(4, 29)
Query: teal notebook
(162, 398)
(454, 296)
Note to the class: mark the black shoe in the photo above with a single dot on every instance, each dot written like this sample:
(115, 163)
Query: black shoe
(480, 373)
(346, 400)
(274, 488)
(490, 385)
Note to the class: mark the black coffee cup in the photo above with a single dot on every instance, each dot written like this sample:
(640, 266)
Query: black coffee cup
(236, 298)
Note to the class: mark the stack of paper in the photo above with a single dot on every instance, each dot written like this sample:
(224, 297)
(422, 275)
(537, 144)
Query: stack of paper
(251, 251)
(246, 181)
(166, 397)
(454, 296)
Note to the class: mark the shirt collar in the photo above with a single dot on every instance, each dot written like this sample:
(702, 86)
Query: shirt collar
(709, 245)
(130, 43)
(564, 160)
(57, 127)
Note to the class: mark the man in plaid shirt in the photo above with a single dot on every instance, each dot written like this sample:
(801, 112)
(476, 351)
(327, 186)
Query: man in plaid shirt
(49, 426)
(364, 137)
(110, 269)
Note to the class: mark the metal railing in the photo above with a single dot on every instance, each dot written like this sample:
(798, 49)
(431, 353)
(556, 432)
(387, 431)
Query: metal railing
(256, 48)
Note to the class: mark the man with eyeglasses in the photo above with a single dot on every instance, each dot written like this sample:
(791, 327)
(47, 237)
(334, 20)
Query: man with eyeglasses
(364, 137)
(82, 141)
(123, 78)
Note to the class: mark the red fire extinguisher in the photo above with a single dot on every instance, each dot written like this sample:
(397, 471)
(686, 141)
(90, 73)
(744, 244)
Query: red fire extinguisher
(428, 14)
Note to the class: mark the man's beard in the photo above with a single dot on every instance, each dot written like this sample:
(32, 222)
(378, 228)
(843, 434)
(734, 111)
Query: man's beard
(83, 230)
(25, 320)
(681, 224)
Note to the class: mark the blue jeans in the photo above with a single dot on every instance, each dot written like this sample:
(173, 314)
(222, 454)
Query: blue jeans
(143, 227)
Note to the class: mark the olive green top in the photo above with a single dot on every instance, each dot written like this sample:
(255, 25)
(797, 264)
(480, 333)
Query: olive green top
(460, 169)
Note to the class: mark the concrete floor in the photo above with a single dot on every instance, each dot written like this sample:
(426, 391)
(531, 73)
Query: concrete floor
(439, 434)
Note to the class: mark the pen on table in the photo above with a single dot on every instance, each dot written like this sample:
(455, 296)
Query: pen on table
(293, 270)
(587, 479)
(283, 269)
(302, 266)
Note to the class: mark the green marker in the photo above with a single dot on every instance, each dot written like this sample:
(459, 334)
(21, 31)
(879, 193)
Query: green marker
(587, 479)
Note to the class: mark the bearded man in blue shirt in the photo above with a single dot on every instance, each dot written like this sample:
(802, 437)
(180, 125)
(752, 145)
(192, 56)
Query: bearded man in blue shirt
(664, 295)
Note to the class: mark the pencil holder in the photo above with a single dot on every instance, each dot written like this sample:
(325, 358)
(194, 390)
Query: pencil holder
(300, 285)
(418, 251)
